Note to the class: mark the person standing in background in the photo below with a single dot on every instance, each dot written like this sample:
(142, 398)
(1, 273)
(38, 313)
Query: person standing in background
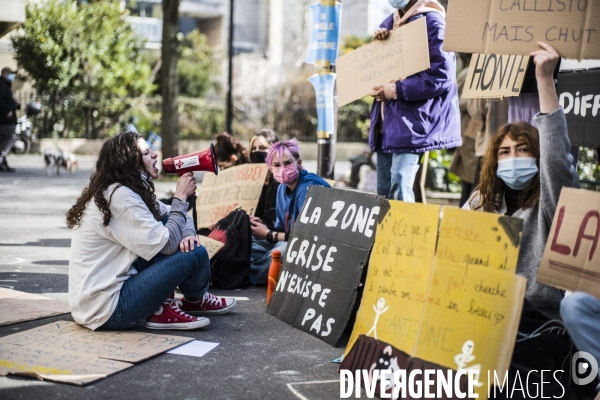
(491, 114)
(8, 117)
(464, 162)
(419, 113)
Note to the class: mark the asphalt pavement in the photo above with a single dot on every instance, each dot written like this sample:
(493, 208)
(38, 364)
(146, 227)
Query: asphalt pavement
(258, 357)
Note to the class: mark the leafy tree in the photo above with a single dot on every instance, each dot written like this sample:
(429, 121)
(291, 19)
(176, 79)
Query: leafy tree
(197, 66)
(169, 88)
(84, 60)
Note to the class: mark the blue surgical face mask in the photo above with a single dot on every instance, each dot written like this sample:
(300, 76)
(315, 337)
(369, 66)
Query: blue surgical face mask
(398, 4)
(11, 77)
(517, 172)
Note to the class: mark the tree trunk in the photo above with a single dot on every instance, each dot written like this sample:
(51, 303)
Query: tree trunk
(170, 117)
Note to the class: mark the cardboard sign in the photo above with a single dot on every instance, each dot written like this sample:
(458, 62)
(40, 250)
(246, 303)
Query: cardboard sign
(571, 260)
(324, 260)
(455, 306)
(579, 96)
(212, 246)
(515, 27)
(495, 76)
(18, 306)
(67, 352)
(235, 187)
(404, 53)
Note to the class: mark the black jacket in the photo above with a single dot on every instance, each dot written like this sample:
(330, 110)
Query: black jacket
(265, 209)
(7, 103)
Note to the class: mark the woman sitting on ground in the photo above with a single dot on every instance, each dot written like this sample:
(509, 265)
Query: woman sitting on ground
(260, 144)
(130, 251)
(229, 151)
(522, 175)
(286, 165)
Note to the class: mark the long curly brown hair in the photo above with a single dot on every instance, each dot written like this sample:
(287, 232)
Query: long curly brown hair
(491, 187)
(120, 161)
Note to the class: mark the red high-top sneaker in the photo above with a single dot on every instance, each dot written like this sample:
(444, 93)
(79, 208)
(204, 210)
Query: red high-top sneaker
(209, 305)
(170, 316)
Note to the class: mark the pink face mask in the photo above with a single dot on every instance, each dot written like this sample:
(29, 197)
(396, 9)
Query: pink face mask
(286, 174)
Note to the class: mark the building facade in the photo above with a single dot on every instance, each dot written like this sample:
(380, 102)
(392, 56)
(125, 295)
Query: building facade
(270, 36)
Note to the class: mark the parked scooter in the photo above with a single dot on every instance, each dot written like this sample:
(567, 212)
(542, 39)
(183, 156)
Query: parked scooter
(24, 130)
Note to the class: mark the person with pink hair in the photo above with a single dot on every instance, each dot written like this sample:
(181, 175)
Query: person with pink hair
(285, 163)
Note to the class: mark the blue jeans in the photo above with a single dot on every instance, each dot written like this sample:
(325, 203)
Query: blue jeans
(396, 175)
(581, 314)
(384, 178)
(260, 259)
(144, 292)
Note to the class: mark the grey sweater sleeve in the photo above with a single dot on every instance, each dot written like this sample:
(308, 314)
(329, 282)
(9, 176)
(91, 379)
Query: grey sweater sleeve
(556, 162)
(189, 229)
(176, 225)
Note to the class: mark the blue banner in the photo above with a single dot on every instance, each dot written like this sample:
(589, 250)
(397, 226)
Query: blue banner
(325, 34)
(323, 85)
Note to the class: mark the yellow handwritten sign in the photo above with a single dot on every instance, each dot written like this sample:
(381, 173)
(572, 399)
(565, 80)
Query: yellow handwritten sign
(479, 239)
(235, 187)
(456, 306)
(399, 271)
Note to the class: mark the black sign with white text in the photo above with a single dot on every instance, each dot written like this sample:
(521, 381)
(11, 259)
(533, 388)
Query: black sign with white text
(579, 96)
(324, 260)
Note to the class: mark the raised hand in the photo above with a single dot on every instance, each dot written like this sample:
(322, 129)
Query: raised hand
(545, 61)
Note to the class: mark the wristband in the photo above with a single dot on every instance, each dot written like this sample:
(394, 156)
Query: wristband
(269, 237)
(287, 236)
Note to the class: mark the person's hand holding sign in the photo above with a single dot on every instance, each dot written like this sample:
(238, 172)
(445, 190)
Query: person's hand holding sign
(381, 34)
(545, 61)
(378, 93)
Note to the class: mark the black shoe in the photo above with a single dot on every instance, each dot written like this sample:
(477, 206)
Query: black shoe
(4, 166)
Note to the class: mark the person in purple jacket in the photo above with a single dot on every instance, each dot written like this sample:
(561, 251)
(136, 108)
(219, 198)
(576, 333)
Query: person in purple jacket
(418, 114)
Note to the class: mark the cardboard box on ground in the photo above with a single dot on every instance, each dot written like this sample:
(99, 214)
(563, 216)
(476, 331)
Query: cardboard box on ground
(66, 352)
(18, 306)
(571, 259)
(515, 27)
(232, 188)
(579, 96)
(452, 306)
(404, 53)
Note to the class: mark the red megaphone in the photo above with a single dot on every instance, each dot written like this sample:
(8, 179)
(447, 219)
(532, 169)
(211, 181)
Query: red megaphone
(203, 160)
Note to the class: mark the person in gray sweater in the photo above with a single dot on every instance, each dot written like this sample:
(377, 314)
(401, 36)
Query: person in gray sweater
(523, 173)
(130, 251)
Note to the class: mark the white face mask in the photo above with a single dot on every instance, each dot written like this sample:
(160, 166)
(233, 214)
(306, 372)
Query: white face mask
(398, 4)
(517, 172)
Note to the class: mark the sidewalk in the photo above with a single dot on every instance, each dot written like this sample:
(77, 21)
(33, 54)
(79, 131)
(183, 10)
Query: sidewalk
(258, 356)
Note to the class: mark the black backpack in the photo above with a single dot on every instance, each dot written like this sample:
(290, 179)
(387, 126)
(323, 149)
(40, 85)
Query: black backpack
(230, 267)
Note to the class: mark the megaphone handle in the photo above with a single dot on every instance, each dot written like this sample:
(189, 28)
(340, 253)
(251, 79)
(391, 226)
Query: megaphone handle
(194, 214)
